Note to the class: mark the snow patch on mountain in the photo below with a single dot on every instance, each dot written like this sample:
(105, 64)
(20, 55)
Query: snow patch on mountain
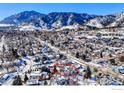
(6, 25)
(119, 20)
(102, 21)
(95, 23)
(70, 27)
(28, 28)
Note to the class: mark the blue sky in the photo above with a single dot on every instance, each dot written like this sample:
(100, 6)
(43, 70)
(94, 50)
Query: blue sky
(93, 8)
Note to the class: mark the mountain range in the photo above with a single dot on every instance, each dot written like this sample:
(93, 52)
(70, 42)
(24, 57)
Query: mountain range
(56, 20)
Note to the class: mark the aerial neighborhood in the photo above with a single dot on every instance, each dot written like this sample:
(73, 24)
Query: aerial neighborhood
(61, 53)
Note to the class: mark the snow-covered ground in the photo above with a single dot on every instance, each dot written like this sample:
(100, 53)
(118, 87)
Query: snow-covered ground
(40, 57)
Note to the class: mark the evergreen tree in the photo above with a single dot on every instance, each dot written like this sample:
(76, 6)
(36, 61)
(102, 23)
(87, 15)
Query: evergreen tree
(112, 61)
(87, 73)
(26, 78)
(52, 42)
(101, 54)
(83, 57)
(77, 55)
(17, 81)
(45, 82)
